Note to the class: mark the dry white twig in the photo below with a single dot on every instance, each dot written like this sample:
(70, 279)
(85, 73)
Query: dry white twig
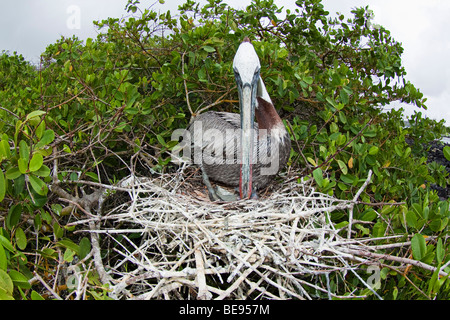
(39, 278)
(203, 293)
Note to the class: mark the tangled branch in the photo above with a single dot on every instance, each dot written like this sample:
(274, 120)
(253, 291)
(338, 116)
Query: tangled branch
(275, 248)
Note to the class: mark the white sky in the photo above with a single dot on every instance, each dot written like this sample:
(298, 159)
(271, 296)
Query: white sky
(28, 26)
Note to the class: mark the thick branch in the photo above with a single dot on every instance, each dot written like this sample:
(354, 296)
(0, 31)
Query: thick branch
(419, 264)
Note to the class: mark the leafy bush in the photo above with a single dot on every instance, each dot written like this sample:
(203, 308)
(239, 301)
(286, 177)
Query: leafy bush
(94, 110)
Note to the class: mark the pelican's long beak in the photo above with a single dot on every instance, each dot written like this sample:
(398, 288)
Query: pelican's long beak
(246, 68)
(247, 100)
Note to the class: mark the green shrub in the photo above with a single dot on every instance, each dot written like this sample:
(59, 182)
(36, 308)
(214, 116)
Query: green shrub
(92, 108)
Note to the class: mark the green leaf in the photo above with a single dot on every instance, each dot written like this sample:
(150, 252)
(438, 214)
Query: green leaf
(344, 97)
(40, 129)
(36, 296)
(43, 171)
(425, 212)
(13, 173)
(68, 255)
(38, 185)
(57, 230)
(334, 127)
(434, 284)
(19, 124)
(438, 224)
(341, 140)
(308, 79)
(67, 149)
(418, 246)
(48, 253)
(334, 136)
(5, 296)
(2, 186)
(318, 176)
(23, 165)
(342, 186)
(14, 213)
(343, 166)
(6, 284)
(57, 208)
(440, 251)
(369, 215)
(92, 175)
(68, 66)
(310, 160)
(85, 248)
(21, 239)
(5, 152)
(342, 117)
(36, 162)
(73, 176)
(34, 114)
(3, 259)
(365, 231)
(378, 229)
(341, 225)
(373, 150)
(331, 102)
(447, 152)
(340, 106)
(69, 244)
(349, 179)
(395, 293)
(161, 140)
(131, 110)
(417, 208)
(387, 209)
(370, 133)
(39, 201)
(19, 279)
(46, 139)
(407, 152)
(37, 222)
(202, 75)
(398, 151)
(411, 219)
(208, 49)
(7, 244)
(24, 151)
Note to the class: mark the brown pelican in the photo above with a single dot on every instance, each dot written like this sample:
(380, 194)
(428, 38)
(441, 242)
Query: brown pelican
(234, 150)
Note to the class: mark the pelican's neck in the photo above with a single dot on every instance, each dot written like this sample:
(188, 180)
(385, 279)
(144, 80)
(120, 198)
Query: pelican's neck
(266, 115)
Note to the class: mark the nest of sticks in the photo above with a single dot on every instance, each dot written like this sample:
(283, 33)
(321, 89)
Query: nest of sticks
(170, 242)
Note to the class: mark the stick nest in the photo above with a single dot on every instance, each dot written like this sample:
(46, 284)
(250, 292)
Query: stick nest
(170, 242)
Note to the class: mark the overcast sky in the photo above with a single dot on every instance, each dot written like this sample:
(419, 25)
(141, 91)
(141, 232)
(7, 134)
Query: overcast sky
(28, 26)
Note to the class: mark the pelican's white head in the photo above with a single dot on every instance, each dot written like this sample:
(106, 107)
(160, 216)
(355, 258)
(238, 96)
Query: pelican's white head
(246, 66)
(246, 63)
